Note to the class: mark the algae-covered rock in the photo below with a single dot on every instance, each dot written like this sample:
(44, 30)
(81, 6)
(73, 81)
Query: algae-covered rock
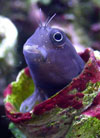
(65, 114)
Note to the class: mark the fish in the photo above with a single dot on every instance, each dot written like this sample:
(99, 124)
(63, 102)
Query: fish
(53, 63)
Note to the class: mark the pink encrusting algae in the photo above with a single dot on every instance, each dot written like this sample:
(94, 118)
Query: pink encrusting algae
(80, 97)
(8, 90)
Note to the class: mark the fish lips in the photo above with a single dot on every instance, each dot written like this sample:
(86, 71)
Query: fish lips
(36, 52)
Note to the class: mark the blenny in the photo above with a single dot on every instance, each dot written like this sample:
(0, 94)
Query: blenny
(53, 63)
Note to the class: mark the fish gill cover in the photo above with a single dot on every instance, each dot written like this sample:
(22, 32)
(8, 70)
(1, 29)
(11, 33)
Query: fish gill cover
(69, 113)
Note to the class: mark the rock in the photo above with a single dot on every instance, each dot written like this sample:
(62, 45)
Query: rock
(8, 39)
(66, 112)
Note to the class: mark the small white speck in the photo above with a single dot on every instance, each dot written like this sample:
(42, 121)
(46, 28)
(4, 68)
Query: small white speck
(39, 60)
(35, 59)
(97, 54)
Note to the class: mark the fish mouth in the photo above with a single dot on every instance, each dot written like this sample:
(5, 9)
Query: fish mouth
(36, 50)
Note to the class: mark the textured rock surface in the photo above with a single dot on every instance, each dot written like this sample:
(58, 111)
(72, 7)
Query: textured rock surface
(69, 113)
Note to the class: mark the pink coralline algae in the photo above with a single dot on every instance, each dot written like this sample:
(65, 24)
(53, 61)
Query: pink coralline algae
(56, 114)
(94, 109)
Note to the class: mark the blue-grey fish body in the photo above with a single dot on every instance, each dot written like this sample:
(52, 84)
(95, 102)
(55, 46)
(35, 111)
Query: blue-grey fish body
(52, 61)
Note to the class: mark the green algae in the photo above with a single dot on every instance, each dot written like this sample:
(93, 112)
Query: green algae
(90, 93)
(85, 127)
(20, 90)
(56, 122)
(15, 131)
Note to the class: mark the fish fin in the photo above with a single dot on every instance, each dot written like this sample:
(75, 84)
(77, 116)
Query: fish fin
(28, 104)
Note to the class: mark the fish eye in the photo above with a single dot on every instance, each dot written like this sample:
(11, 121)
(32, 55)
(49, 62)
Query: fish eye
(58, 37)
